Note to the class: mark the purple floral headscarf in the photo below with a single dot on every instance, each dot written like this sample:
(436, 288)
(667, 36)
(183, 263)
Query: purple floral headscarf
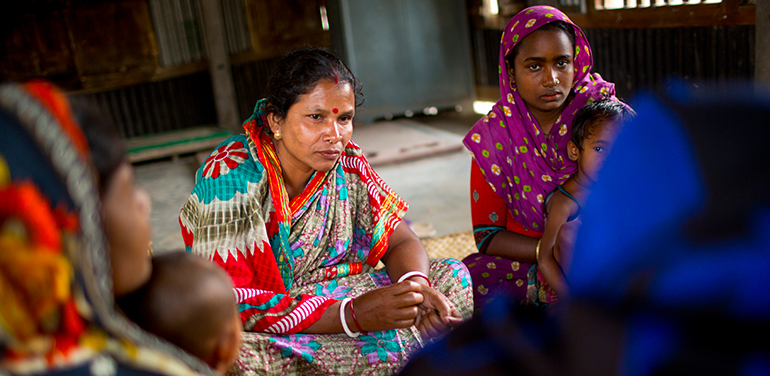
(517, 160)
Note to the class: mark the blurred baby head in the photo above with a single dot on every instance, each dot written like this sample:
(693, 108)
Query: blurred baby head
(189, 301)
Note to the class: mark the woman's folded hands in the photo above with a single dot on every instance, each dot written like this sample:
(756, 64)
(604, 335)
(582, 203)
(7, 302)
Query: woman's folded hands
(389, 307)
(404, 304)
(437, 314)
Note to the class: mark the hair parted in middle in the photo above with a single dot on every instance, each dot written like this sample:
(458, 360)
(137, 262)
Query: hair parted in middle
(299, 71)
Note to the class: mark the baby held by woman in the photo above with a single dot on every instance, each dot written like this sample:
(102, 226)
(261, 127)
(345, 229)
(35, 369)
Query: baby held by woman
(594, 130)
(178, 296)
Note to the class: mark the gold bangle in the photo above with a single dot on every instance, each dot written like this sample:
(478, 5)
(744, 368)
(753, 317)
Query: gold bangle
(537, 250)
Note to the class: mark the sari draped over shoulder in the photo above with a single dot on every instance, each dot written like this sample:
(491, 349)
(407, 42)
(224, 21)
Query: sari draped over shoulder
(522, 163)
(56, 301)
(291, 259)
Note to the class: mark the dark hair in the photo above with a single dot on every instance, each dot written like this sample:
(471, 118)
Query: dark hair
(104, 140)
(186, 301)
(555, 25)
(299, 71)
(597, 113)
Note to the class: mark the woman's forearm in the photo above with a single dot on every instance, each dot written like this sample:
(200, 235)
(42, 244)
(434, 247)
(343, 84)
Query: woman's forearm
(329, 321)
(406, 258)
(383, 308)
(405, 254)
(513, 246)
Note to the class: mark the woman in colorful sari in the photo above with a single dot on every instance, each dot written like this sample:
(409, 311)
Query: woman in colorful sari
(74, 232)
(520, 150)
(295, 214)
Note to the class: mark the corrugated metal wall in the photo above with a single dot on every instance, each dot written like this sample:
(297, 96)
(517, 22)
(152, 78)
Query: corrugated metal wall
(186, 101)
(157, 107)
(644, 58)
(236, 28)
(250, 81)
(177, 25)
(486, 53)
(178, 31)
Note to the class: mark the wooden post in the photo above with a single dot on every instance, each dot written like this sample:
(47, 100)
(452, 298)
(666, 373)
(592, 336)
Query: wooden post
(219, 64)
(762, 45)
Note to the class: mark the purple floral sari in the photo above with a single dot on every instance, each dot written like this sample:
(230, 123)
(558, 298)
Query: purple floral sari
(519, 161)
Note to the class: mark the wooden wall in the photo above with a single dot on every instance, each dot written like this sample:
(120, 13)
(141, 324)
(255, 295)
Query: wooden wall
(89, 45)
(135, 56)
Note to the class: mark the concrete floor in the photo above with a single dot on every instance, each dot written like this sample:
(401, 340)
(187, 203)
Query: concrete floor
(436, 186)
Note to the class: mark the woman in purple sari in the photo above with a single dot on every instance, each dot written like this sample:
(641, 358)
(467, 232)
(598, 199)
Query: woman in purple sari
(520, 147)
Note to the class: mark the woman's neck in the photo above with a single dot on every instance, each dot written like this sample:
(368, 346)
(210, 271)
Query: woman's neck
(546, 119)
(294, 184)
(295, 178)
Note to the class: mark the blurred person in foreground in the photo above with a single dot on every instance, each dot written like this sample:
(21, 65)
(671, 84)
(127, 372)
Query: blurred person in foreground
(74, 234)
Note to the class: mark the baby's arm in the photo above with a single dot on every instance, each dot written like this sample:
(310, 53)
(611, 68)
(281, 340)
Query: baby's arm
(560, 207)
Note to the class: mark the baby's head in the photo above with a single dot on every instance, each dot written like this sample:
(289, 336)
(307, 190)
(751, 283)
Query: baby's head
(189, 301)
(594, 130)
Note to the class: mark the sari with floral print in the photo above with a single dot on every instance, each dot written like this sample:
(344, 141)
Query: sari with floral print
(291, 259)
(521, 162)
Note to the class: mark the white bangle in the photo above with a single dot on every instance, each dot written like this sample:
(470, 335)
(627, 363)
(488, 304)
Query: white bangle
(344, 322)
(413, 273)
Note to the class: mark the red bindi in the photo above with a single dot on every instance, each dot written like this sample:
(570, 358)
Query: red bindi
(335, 110)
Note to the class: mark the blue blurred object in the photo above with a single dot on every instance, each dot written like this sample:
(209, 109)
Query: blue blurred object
(655, 216)
(648, 186)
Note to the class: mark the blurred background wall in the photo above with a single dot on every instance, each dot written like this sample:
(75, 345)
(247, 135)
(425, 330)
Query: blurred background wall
(188, 71)
(638, 44)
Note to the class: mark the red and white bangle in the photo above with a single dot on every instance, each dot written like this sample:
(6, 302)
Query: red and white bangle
(343, 321)
(353, 313)
(415, 273)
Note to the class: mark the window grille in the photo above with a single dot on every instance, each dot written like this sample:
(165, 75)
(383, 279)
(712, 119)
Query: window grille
(631, 4)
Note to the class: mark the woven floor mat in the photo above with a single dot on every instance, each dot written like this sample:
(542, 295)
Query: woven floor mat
(457, 245)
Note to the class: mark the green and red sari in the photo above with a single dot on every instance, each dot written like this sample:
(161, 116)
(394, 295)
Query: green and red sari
(291, 259)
